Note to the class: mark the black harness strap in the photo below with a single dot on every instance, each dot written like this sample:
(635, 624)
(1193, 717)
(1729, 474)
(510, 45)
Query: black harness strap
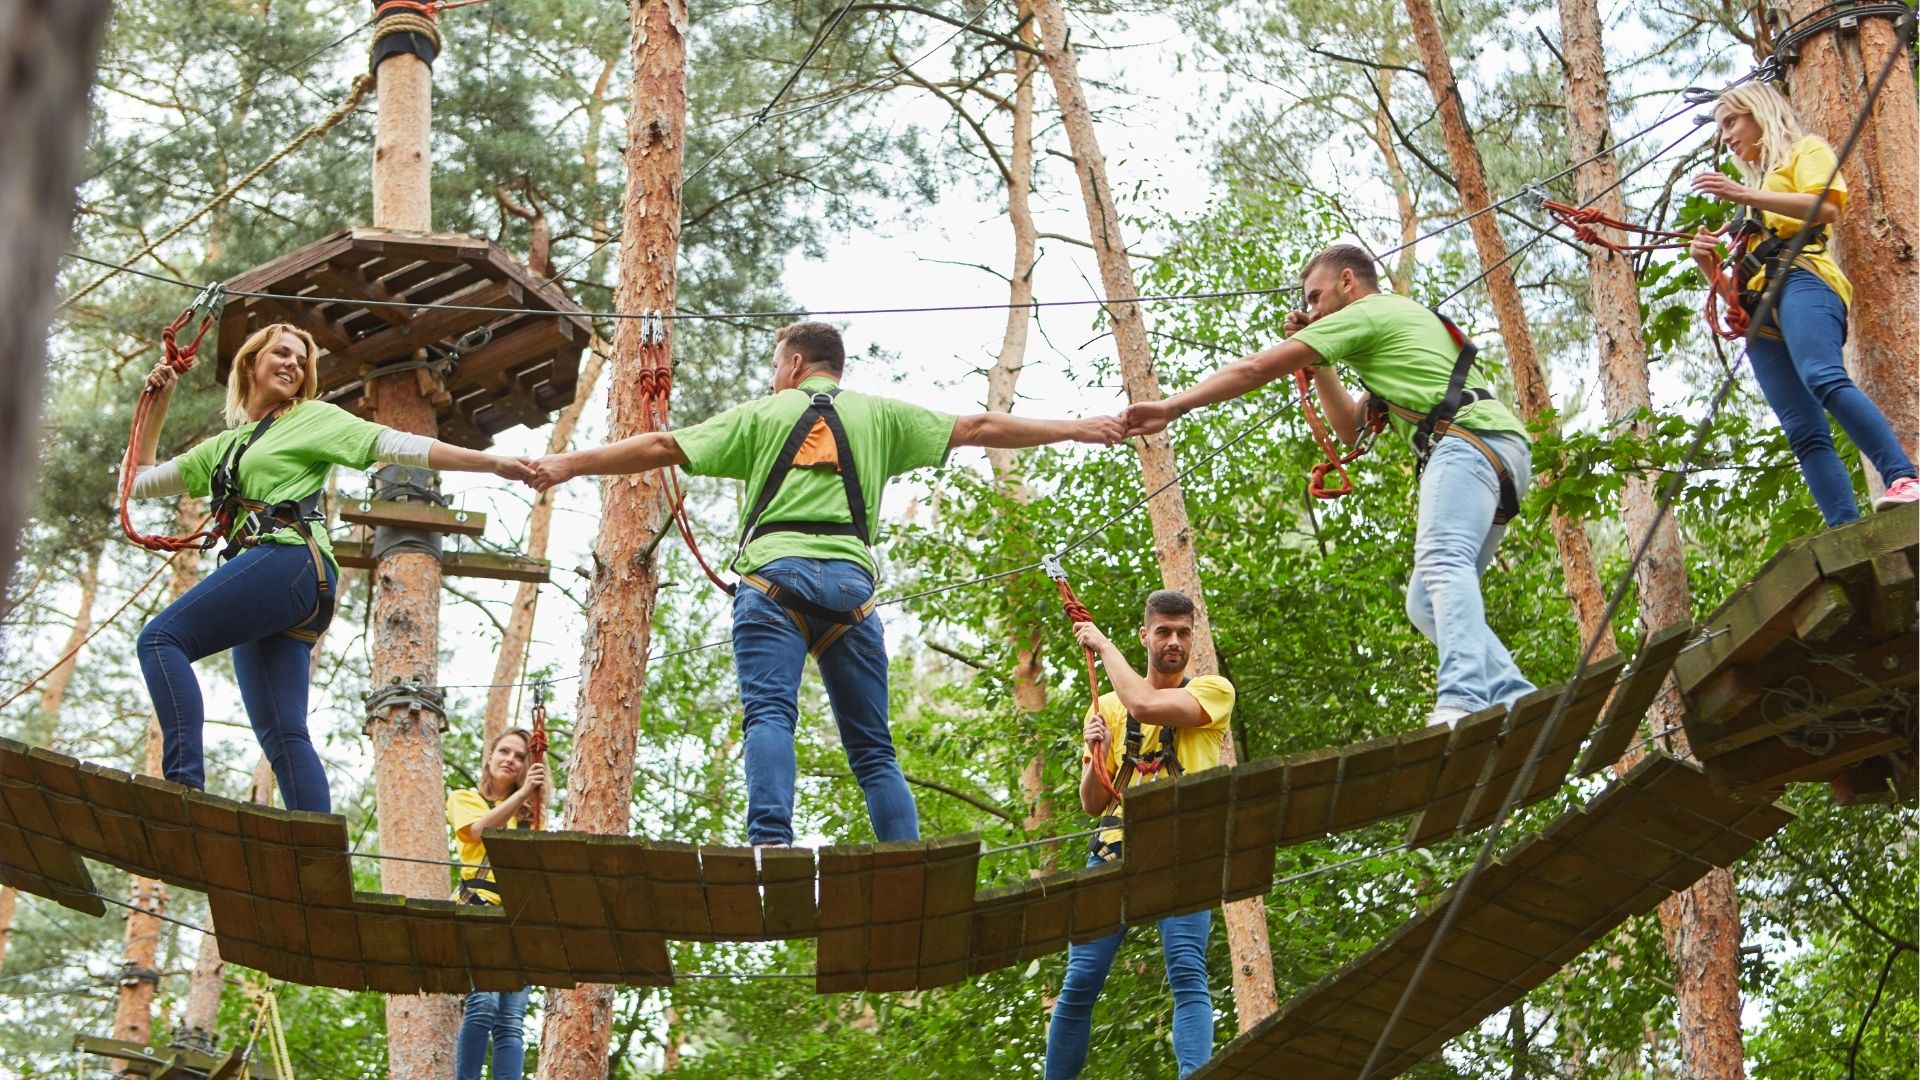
(819, 410)
(1767, 259)
(1437, 422)
(248, 520)
(1131, 761)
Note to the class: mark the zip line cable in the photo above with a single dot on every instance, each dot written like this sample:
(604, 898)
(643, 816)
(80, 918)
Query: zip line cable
(1669, 492)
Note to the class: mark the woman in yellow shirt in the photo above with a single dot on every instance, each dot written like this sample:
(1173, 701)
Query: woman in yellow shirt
(1799, 364)
(503, 799)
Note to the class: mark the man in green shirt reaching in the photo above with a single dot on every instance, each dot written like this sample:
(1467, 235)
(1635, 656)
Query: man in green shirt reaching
(1473, 449)
(815, 460)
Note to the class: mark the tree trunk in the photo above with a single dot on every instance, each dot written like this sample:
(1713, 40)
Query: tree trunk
(1401, 273)
(9, 901)
(620, 601)
(1877, 239)
(1246, 920)
(1701, 925)
(409, 778)
(1530, 383)
(48, 49)
(200, 1018)
(526, 598)
(53, 692)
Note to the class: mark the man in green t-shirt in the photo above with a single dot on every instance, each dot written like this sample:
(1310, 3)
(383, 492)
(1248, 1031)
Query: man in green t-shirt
(814, 460)
(1404, 355)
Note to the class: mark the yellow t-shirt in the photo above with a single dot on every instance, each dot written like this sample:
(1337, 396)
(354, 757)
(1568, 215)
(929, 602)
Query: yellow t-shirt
(1197, 747)
(1806, 172)
(464, 807)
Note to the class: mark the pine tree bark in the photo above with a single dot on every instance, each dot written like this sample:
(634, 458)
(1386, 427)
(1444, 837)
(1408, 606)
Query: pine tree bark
(53, 692)
(1245, 920)
(620, 601)
(48, 49)
(1529, 381)
(409, 777)
(1877, 239)
(1702, 924)
(9, 902)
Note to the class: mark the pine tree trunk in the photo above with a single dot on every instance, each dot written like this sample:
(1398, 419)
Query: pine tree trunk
(199, 1020)
(48, 49)
(1530, 382)
(9, 901)
(1245, 920)
(409, 777)
(620, 601)
(1877, 239)
(53, 692)
(1702, 924)
(526, 598)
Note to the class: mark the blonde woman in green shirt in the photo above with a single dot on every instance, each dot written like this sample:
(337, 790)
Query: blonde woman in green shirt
(815, 461)
(268, 602)
(1474, 468)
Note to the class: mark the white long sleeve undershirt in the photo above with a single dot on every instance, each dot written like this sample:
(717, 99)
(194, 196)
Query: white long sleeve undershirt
(399, 447)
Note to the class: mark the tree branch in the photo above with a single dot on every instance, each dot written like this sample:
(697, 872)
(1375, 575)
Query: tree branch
(1002, 39)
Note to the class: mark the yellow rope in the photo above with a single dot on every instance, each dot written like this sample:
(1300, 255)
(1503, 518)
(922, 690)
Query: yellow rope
(276, 1035)
(405, 22)
(362, 86)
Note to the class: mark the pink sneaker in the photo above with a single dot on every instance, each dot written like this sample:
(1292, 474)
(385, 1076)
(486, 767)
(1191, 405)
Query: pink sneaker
(1904, 490)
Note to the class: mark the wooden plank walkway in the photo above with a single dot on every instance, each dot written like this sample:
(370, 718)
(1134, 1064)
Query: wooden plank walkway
(1550, 899)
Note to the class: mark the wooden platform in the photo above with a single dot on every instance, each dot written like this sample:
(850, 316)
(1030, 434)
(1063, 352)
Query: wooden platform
(1550, 899)
(526, 369)
(173, 1063)
(1808, 672)
(358, 555)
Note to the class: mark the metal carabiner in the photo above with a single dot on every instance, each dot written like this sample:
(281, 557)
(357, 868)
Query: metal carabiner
(1051, 564)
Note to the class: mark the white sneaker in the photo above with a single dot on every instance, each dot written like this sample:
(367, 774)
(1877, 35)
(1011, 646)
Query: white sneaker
(1446, 714)
(1904, 490)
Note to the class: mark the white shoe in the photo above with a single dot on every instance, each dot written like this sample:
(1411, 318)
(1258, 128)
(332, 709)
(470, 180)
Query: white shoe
(1446, 714)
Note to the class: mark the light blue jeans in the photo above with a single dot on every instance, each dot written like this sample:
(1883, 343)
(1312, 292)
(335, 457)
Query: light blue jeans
(1804, 377)
(492, 1016)
(769, 655)
(1454, 544)
(1183, 945)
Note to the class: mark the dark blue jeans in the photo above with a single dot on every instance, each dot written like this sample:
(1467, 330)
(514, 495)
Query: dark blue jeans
(1804, 377)
(494, 1016)
(769, 654)
(244, 606)
(1183, 946)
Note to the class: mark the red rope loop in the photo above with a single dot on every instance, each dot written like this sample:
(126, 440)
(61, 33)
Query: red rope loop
(537, 755)
(656, 389)
(180, 358)
(1336, 461)
(1585, 222)
(1077, 612)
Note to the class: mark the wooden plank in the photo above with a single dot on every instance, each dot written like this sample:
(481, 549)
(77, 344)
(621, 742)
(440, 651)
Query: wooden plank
(1469, 752)
(680, 899)
(619, 865)
(271, 865)
(1417, 767)
(111, 797)
(1526, 723)
(358, 555)
(1310, 782)
(732, 881)
(1366, 775)
(1798, 690)
(1099, 902)
(999, 923)
(1253, 828)
(401, 514)
(1633, 695)
(1755, 620)
(1201, 816)
(1824, 613)
(1847, 553)
(1892, 598)
(953, 870)
(381, 922)
(788, 899)
(1753, 772)
(846, 912)
(1556, 759)
(899, 897)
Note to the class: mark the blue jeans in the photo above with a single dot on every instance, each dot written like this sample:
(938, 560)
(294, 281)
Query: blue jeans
(1183, 945)
(1804, 377)
(1454, 544)
(769, 654)
(492, 1016)
(243, 605)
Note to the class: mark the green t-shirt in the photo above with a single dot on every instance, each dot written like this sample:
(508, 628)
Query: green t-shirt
(887, 438)
(291, 461)
(1402, 351)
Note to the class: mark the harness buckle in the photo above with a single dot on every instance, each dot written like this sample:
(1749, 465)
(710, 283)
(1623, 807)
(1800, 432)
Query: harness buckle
(822, 399)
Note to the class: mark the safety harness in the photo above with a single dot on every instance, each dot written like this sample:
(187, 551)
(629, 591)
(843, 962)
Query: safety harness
(246, 521)
(1766, 259)
(1150, 764)
(1437, 423)
(819, 411)
(469, 890)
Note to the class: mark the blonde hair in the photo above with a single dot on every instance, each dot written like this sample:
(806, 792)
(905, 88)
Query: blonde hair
(486, 783)
(1780, 129)
(240, 378)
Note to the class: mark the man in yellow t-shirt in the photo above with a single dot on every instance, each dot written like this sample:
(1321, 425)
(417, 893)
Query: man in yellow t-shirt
(1181, 724)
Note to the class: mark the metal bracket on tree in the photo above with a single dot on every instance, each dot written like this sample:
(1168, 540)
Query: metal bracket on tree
(416, 696)
(405, 483)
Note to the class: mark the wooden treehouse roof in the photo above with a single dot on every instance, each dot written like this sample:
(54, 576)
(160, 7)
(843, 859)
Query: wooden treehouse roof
(526, 368)
(1813, 630)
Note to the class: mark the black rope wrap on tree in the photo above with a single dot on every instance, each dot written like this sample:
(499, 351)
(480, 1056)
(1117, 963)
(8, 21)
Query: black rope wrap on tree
(405, 483)
(1841, 14)
(416, 696)
(401, 28)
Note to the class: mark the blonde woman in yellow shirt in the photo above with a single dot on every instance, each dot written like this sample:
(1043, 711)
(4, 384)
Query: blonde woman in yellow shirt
(1798, 361)
(503, 799)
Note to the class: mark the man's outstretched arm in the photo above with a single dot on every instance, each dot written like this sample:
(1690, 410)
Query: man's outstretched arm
(1243, 376)
(635, 453)
(1005, 431)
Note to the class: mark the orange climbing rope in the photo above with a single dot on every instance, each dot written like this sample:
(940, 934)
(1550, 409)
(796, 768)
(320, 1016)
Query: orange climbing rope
(205, 307)
(1724, 312)
(1376, 422)
(1077, 612)
(656, 392)
(537, 749)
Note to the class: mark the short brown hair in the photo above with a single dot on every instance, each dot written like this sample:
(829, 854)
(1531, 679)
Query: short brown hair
(1169, 602)
(1346, 257)
(816, 341)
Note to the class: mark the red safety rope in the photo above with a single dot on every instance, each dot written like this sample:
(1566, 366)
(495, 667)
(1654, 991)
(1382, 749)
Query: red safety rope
(180, 358)
(1077, 612)
(1376, 422)
(656, 391)
(537, 751)
(1586, 223)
